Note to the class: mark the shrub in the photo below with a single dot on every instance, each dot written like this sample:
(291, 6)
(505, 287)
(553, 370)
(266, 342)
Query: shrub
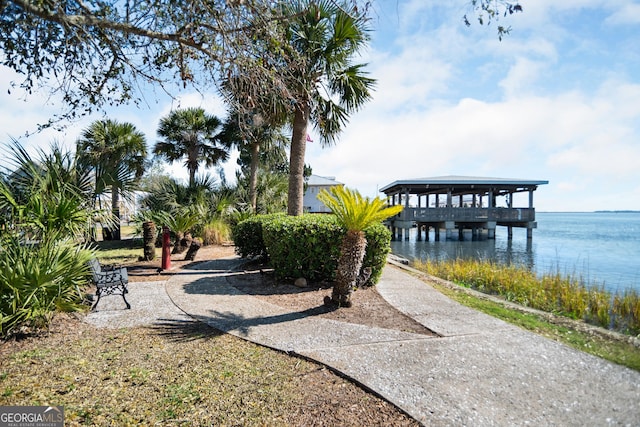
(303, 246)
(247, 236)
(306, 246)
(378, 247)
(36, 281)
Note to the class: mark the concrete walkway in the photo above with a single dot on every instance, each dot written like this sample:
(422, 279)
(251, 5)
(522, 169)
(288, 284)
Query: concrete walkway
(480, 372)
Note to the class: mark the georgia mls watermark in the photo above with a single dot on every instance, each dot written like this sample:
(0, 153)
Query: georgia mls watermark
(31, 416)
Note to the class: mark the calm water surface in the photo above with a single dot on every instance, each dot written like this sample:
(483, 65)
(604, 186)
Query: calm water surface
(602, 248)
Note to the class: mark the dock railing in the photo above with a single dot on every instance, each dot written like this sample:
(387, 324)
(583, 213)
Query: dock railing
(468, 214)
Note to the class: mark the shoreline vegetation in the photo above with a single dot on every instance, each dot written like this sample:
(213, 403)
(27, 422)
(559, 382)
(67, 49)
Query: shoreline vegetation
(556, 306)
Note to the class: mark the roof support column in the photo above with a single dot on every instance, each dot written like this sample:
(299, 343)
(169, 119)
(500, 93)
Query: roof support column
(530, 198)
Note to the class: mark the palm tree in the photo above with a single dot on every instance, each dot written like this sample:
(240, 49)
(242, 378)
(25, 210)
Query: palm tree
(355, 213)
(191, 134)
(116, 152)
(324, 85)
(258, 142)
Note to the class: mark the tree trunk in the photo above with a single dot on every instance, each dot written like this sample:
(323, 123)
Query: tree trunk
(149, 240)
(192, 177)
(176, 244)
(352, 251)
(192, 158)
(195, 245)
(253, 175)
(296, 160)
(115, 209)
(183, 241)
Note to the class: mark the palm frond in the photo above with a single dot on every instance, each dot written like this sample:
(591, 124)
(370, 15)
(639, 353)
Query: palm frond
(354, 211)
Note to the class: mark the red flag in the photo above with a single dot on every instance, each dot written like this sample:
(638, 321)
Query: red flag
(309, 138)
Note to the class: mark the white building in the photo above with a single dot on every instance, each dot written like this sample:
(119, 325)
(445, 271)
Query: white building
(316, 183)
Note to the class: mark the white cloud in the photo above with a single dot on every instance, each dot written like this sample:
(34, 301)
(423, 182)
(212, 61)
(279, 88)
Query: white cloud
(627, 14)
(522, 78)
(567, 139)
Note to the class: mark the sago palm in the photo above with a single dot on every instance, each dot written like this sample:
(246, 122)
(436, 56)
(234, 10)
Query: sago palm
(355, 213)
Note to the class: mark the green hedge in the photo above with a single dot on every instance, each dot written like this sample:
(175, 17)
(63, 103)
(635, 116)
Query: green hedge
(306, 246)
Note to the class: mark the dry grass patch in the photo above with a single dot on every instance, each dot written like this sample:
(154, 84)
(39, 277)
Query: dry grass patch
(178, 373)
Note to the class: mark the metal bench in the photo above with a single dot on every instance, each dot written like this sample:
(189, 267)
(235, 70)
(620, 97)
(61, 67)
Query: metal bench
(109, 280)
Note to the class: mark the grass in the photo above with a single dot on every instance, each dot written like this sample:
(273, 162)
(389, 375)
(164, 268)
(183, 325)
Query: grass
(119, 252)
(569, 332)
(180, 373)
(564, 295)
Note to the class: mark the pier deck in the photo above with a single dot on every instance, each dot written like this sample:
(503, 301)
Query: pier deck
(461, 203)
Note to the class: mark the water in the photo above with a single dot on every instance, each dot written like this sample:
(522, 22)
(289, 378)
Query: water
(601, 248)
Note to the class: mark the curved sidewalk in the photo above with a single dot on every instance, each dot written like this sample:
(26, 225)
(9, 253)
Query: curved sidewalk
(480, 372)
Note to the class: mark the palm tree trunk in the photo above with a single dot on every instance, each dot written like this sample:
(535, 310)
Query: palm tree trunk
(352, 253)
(192, 177)
(253, 175)
(177, 246)
(115, 209)
(192, 159)
(296, 160)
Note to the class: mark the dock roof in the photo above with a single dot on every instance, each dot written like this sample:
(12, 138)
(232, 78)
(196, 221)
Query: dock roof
(462, 184)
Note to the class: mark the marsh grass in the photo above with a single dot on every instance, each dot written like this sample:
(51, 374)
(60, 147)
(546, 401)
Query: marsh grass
(555, 293)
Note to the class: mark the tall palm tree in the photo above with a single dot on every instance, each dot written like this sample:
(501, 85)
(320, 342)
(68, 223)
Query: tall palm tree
(325, 86)
(355, 213)
(258, 141)
(116, 152)
(191, 134)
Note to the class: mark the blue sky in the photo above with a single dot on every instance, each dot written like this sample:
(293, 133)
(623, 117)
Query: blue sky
(558, 99)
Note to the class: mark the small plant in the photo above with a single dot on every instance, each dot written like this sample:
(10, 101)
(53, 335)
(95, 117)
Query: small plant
(35, 282)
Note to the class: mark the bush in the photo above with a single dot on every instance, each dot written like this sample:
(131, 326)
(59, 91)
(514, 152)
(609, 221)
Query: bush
(306, 246)
(247, 236)
(378, 247)
(303, 246)
(37, 281)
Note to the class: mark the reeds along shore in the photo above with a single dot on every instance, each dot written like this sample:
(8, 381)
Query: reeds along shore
(565, 295)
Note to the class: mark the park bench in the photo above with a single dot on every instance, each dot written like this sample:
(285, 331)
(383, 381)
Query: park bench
(109, 280)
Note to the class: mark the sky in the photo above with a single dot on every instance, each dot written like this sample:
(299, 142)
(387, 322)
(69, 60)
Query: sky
(558, 99)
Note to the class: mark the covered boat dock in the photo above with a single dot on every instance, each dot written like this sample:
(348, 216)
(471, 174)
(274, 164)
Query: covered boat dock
(461, 203)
